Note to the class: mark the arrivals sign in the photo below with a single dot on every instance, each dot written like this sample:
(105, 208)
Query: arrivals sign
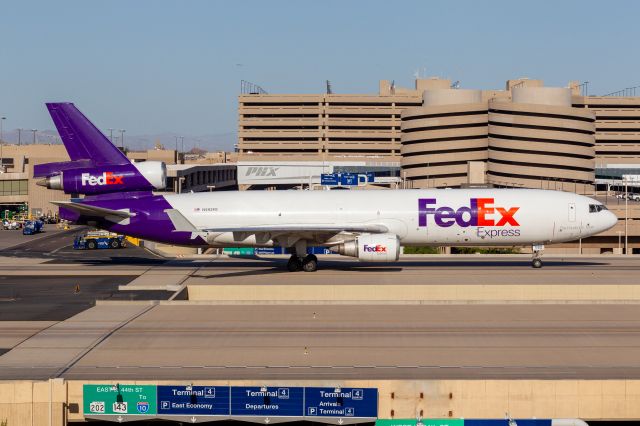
(341, 402)
(119, 400)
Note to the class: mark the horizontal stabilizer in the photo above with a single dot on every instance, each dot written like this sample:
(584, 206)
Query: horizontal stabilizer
(117, 216)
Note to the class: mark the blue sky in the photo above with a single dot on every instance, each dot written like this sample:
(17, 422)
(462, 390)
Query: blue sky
(173, 66)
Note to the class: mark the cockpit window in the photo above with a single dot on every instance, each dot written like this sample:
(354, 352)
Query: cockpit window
(595, 208)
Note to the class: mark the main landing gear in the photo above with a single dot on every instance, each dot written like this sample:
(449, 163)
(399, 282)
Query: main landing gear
(536, 262)
(308, 263)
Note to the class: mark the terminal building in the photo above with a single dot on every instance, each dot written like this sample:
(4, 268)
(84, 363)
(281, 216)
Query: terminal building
(577, 140)
(437, 136)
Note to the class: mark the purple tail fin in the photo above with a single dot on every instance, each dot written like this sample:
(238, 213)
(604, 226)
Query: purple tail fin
(96, 166)
(81, 138)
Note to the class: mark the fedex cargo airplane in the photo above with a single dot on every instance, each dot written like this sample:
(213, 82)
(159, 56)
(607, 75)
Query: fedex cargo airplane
(368, 225)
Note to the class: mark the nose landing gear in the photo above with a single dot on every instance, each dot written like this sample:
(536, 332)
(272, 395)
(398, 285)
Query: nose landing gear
(536, 262)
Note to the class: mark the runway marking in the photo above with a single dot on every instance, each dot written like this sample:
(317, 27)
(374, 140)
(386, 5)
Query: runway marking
(58, 249)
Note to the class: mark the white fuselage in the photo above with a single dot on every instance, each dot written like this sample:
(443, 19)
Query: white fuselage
(498, 217)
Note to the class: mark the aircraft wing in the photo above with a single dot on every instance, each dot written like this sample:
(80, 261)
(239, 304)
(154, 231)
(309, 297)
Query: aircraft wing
(183, 224)
(117, 216)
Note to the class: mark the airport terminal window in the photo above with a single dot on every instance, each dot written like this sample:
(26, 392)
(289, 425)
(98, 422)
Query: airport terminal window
(13, 187)
(595, 208)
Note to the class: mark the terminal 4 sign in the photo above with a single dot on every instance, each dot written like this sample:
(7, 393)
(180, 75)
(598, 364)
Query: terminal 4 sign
(341, 402)
(267, 402)
(193, 400)
(194, 404)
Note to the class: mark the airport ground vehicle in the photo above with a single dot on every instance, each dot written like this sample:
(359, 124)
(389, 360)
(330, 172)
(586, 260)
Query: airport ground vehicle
(11, 225)
(367, 225)
(98, 240)
(32, 227)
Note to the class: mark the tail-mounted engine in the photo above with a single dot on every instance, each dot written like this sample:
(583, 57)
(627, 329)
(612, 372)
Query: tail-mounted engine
(144, 176)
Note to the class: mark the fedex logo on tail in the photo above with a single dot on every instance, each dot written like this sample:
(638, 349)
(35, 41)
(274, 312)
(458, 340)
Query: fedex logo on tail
(106, 178)
(479, 212)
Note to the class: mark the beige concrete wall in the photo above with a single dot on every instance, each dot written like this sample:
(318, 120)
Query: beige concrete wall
(617, 127)
(533, 143)
(410, 294)
(27, 403)
(25, 157)
(439, 141)
(322, 127)
(617, 124)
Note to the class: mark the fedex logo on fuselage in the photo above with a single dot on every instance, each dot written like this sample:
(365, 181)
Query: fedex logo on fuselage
(106, 178)
(479, 212)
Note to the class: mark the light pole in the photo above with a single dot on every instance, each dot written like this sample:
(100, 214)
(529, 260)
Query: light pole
(619, 241)
(1, 142)
(626, 216)
(182, 144)
(1, 120)
(122, 138)
(111, 135)
(34, 135)
(19, 133)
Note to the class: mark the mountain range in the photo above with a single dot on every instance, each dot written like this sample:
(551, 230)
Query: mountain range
(212, 142)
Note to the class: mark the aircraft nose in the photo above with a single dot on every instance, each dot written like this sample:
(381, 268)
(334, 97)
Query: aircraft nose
(609, 220)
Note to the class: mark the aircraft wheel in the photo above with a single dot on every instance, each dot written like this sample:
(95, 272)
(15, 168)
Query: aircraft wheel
(310, 263)
(536, 263)
(294, 264)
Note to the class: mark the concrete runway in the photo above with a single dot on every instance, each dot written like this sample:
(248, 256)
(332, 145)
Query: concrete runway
(424, 270)
(127, 338)
(182, 342)
(56, 246)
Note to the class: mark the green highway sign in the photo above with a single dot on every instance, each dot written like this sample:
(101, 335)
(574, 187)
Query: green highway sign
(396, 422)
(123, 400)
(442, 422)
(422, 422)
